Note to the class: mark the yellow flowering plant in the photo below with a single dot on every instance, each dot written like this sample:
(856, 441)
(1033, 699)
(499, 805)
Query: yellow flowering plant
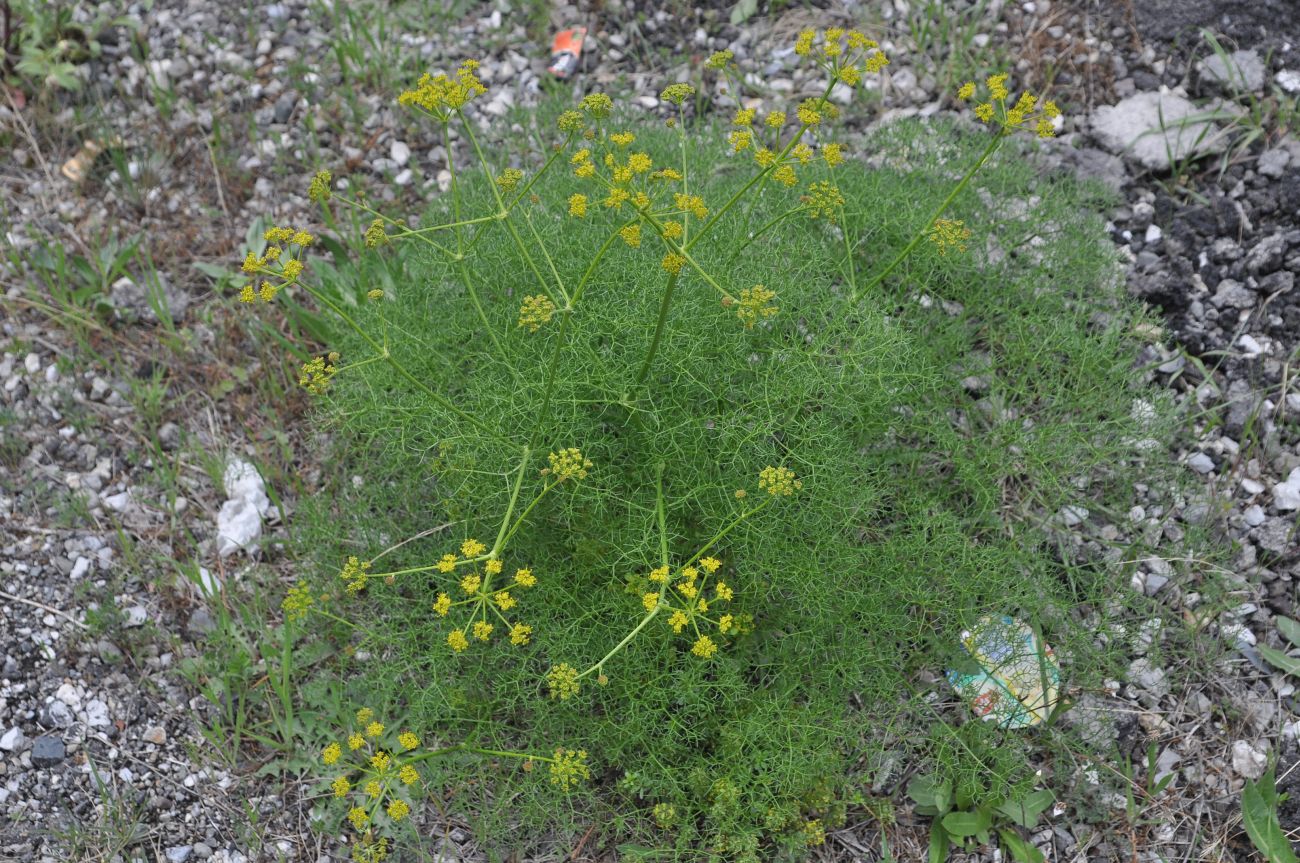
(374, 776)
(658, 429)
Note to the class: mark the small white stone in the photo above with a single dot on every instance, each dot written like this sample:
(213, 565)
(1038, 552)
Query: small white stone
(13, 740)
(33, 363)
(1288, 80)
(403, 177)
(1201, 463)
(118, 502)
(69, 695)
(1248, 760)
(400, 152)
(1073, 515)
(79, 568)
(1153, 233)
(136, 616)
(1254, 515)
(1250, 346)
(1286, 495)
(97, 714)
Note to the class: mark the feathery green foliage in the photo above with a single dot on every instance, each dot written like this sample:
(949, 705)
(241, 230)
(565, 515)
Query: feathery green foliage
(938, 421)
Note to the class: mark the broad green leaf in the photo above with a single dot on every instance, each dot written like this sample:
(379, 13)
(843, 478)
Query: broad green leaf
(743, 11)
(1290, 629)
(931, 796)
(939, 844)
(1279, 660)
(1020, 850)
(921, 790)
(1259, 816)
(1027, 810)
(963, 824)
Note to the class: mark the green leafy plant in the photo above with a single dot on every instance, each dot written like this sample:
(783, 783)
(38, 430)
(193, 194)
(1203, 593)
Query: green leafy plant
(1259, 815)
(47, 42)
(1290, 630)
(963, 818)
(665, 422)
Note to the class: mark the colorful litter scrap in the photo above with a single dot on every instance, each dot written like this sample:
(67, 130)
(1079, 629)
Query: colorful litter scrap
(566, 51)
(1013, 678)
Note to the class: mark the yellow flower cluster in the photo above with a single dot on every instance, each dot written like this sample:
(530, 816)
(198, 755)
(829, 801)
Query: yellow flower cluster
(569, 768)
(598, 106)
(562, 680)
(756, 305)
(823, 201)
(442, 96)
(692, 204)
(375, 235)
(846, 55)
(355, 573)
(665, 815)
(368, 849)
(482, 598)
(568, 464)
(677, 93)
(570, 122)
(289, 264)
(535, 311)
(778, 481)
(374, 771)
(686, 600)
(1025, 111)
(948, 234)
(297, 602)
(316, 374)
(718, 60)
(319, 190)
(509, 179)
(766, 146)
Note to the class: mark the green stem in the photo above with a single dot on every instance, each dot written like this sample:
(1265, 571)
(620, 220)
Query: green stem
(552, 368)
(504, 213)
(708, 226)
(510, 508)
(848, 253)
(660, 324)
(921, 234)
(455, 186)
(559, 283)
(645, 621)
(524, 515)
(771, 224)
(482, 315)
(401, 370)
(567, 312)
(406, 231)
(465, 747)
(660, 515)
(591, 268)
(478, 235)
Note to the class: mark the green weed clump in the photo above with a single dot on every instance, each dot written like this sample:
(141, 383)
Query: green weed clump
(692, 449)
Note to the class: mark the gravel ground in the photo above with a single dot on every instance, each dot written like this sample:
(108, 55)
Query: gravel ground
(114, 463)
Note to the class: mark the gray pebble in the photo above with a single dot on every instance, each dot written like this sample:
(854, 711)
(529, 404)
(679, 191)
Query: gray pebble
(47, 751)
